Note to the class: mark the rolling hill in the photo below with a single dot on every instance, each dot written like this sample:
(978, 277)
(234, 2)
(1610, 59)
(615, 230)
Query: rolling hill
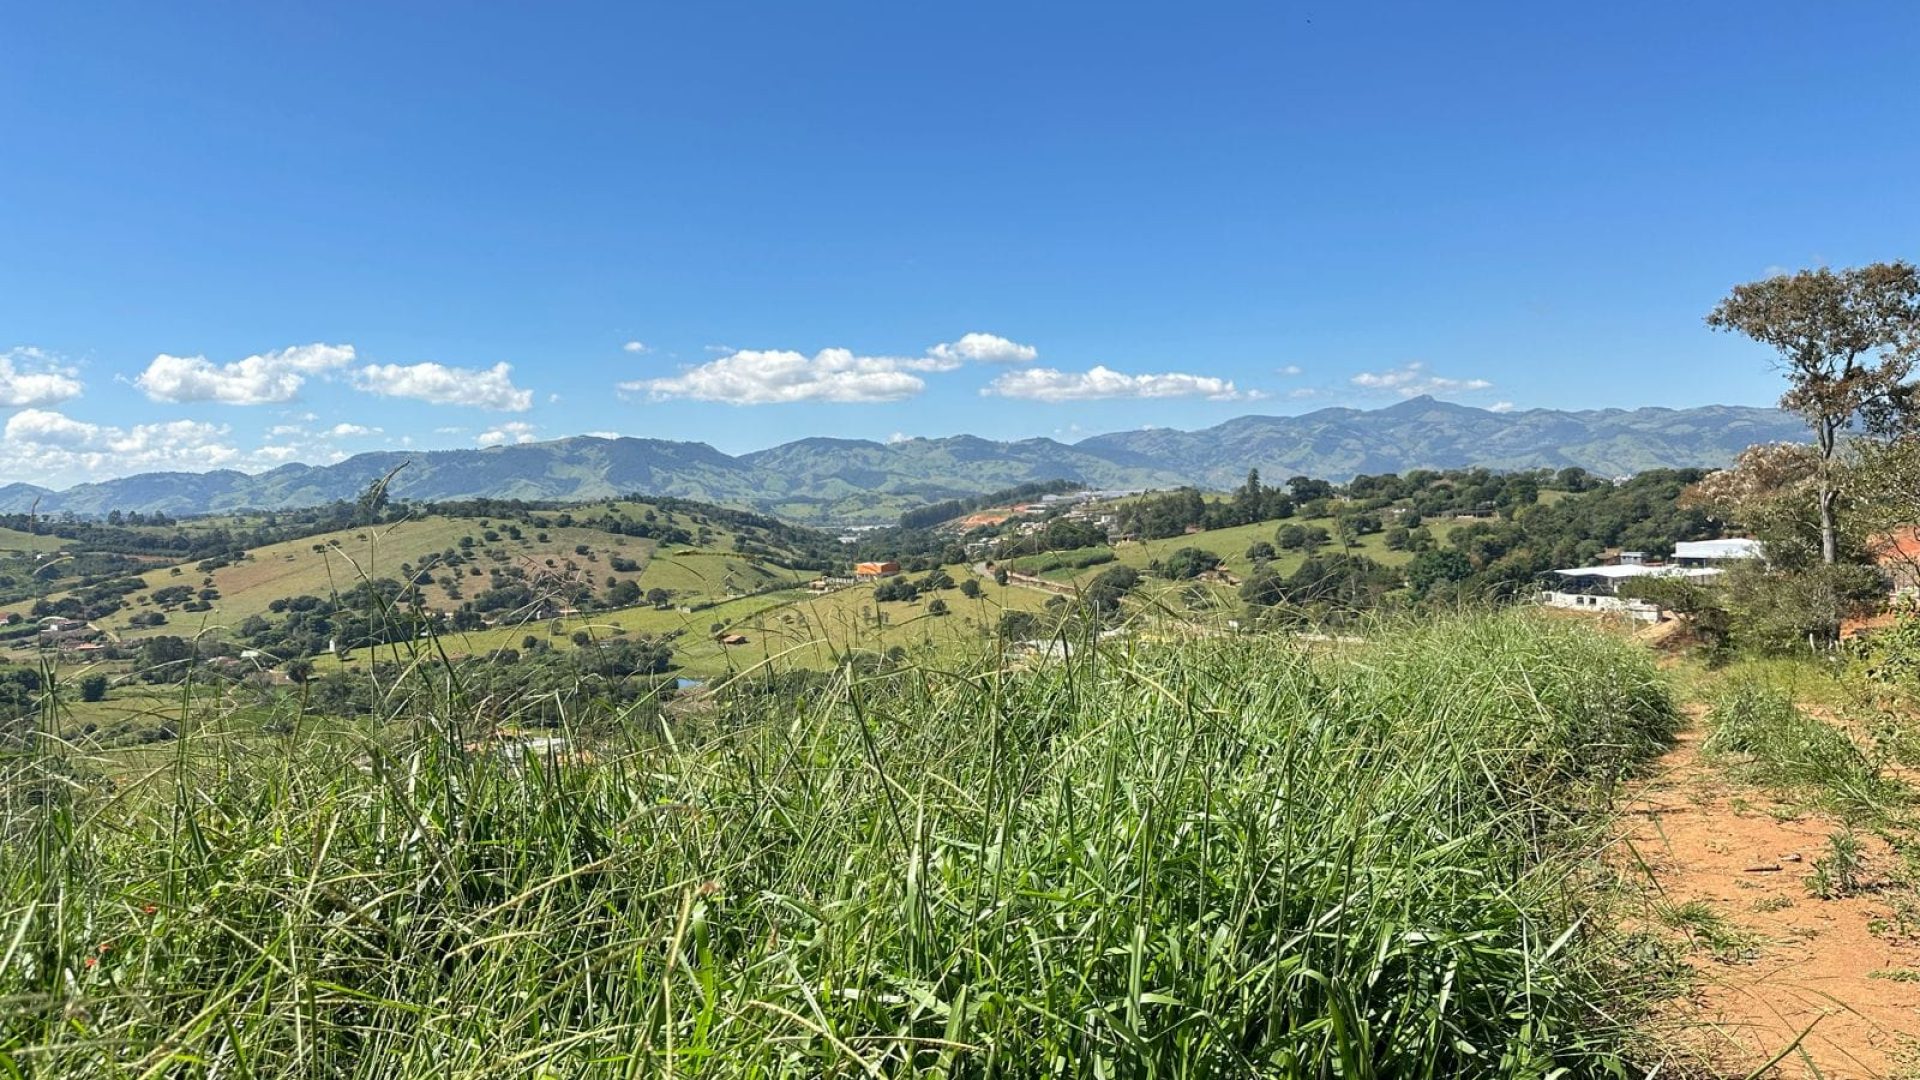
(823, 479)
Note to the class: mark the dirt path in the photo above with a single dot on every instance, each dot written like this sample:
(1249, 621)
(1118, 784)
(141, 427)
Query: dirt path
(1729, 865)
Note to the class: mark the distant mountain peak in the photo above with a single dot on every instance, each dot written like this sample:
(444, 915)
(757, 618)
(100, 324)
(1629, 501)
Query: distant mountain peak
(826, 478)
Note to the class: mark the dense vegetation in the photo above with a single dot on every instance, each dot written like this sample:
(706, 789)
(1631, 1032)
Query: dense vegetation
(1221, 858)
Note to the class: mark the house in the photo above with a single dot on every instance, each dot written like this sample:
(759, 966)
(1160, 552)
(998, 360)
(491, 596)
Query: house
(871, 570)
(1597, 588)
(734, 639)
(63, 630)
(1706, 553)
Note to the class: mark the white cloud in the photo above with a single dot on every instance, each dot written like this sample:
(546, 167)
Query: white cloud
(512, 431)
(256, 380)
(438, 384)
(602, 434)
(1501, 406)
(281, 431)
(635, 347)
(349, 431)
(1413, 380)
(983, 349)
(277, 454)
(1290, 370)
(51, 446)
(774, 376)
(1051, 385)
(45, 384)
(779, 376)
(898, 437)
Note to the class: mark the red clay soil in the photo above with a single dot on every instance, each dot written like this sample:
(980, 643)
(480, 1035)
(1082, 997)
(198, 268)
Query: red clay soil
(1843, 968)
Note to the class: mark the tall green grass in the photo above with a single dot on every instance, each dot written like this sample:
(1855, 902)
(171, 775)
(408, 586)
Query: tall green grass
(1775, 743)
(1224, 858)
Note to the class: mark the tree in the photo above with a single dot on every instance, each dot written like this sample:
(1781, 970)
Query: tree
(300, 669)
(1018, 625)
(1430, 568)
(970, 589)
(1770, 490)
(1263, 588)
(1847, 340)
(937, 606)
(1187, 563)
(93, 688)
(1884, 501)
(1105, 592)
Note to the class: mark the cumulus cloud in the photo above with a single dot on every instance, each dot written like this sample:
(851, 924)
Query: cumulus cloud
(1501, 406)
(512, 431)
(778, 376)
(1290, 370)
(1413, 379)
(261, 379)
(635, 347)
(1099, 382)
(983, 349)
(349, 431)
(29, 376)
(51, 446)
(438, 384)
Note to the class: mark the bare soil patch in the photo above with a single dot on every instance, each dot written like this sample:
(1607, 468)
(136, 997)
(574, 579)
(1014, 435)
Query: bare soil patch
(1772, 963)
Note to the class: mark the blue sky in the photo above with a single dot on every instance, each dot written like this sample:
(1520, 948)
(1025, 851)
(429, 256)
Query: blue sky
(243, 235)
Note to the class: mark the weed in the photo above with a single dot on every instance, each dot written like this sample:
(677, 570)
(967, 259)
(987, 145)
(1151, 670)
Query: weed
(1841, 871)
(1706, 927)
(1784, 747)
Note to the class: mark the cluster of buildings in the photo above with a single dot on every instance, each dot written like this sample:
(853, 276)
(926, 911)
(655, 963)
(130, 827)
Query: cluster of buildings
(1597, 588)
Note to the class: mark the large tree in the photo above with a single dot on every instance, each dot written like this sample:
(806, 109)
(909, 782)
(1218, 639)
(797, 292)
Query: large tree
(1847, 342)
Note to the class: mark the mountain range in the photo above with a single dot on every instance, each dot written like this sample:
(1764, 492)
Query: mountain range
(840, 480)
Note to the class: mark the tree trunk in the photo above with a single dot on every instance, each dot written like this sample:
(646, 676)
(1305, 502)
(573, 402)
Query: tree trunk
(1829, 535)
(1829, 541)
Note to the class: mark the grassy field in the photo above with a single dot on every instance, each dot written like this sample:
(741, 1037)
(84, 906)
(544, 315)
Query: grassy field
(1213, 859)
(30, 543)
(335, 562)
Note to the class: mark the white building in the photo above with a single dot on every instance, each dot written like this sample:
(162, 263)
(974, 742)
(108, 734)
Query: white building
(1597, 588)
(1697, 553)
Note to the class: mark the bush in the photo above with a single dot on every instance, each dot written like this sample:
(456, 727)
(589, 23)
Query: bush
(1775, 611)
(93, 688)
(1187, 563)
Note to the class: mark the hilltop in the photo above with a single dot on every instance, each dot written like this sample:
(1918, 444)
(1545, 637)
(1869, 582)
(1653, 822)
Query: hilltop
(824, 479)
